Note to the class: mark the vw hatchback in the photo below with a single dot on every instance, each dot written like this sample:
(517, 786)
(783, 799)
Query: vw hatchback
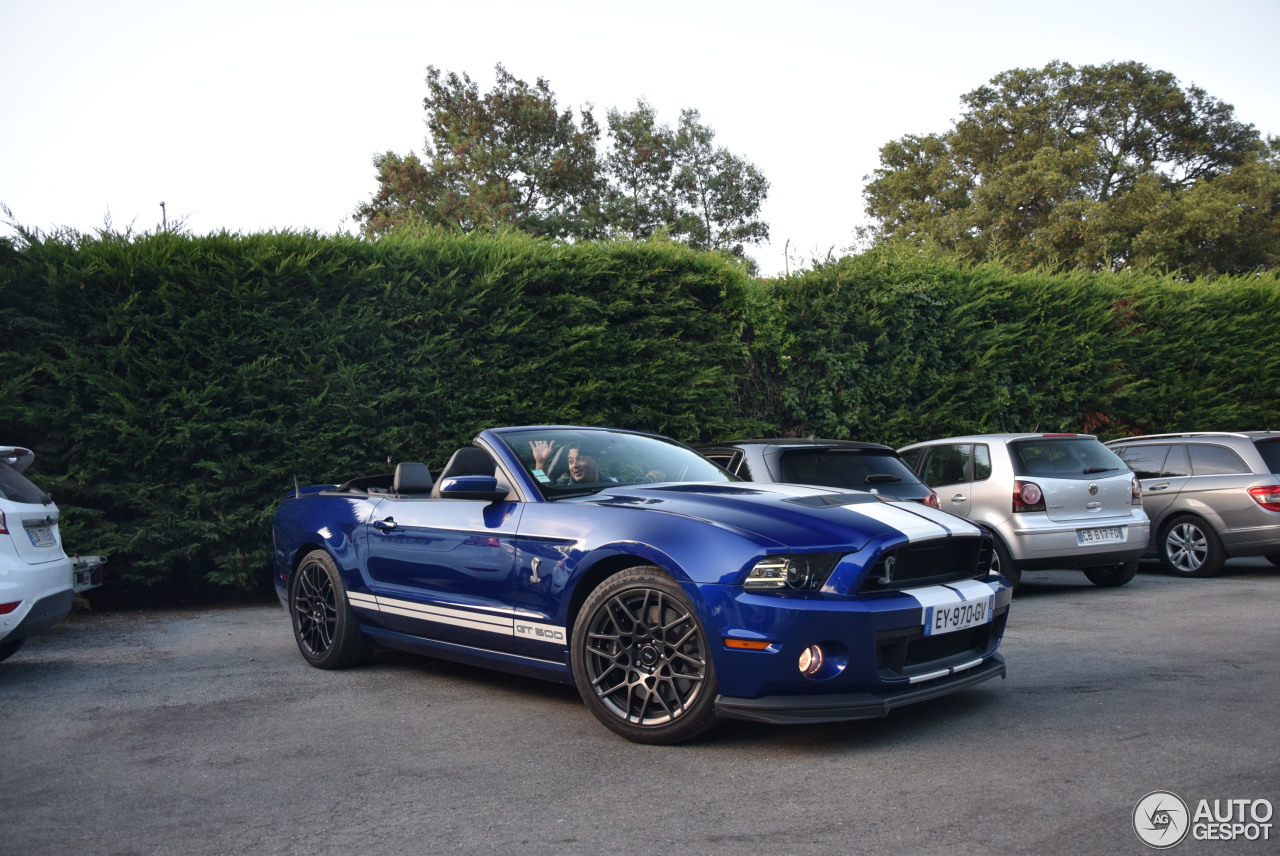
(1050, 500)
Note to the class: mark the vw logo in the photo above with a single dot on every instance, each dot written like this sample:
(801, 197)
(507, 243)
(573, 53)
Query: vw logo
(1093, 488)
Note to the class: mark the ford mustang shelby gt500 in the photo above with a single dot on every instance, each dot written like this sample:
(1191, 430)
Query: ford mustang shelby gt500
(670, 593)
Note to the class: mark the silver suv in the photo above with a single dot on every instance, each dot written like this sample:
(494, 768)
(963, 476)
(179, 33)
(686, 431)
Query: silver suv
(1050, 500)
(1210, 495)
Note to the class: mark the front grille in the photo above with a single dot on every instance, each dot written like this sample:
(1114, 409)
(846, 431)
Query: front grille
(923, 563)
(904, 653)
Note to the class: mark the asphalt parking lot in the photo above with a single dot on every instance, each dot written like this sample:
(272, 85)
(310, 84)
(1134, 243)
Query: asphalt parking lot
(203, 732)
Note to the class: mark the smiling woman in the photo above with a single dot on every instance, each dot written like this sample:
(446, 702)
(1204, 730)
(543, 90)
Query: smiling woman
(670, 593)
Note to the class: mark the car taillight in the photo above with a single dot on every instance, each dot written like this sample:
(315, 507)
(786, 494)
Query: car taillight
(932, 501)
(6, 608)
(4, 530)
(1027, 496)
(1267, 495)
(1135, 492)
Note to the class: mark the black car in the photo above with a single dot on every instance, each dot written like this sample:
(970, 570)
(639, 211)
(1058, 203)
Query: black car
(830, 463)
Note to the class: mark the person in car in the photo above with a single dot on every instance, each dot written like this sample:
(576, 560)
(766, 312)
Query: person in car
(583, 463)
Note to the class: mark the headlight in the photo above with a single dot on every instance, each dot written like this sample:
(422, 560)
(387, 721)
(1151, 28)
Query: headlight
(794, 573)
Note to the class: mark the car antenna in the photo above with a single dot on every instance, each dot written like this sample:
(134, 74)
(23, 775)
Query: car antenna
(297, 490)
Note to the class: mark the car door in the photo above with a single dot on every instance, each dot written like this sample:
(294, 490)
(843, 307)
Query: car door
(947, 468)
(444, 568)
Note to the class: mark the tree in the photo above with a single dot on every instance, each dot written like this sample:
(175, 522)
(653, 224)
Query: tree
(720, 193)
(508, 156)
(512, 157)
(1069, 167)
(640, 167)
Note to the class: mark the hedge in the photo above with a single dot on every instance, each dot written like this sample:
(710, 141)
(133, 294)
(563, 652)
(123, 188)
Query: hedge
(175, 386)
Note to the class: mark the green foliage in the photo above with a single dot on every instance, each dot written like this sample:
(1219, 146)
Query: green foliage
(1094, 168)
(174, 387)
(896, 346)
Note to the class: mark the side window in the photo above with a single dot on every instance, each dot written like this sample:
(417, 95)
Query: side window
(733, 460)
(981, 462)
(1147, 462)
(1177, 464)
(1207, 460)
(911, 458)
(947, 465)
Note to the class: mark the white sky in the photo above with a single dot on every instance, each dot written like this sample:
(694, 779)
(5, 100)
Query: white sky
(249, 115)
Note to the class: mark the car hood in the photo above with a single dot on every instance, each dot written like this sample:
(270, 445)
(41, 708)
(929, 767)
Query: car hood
(791, 515)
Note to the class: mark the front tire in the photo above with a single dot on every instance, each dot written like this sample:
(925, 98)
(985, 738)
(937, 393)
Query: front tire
(1190, 548)
(1112, 575)
(323, 623)
(641, 659)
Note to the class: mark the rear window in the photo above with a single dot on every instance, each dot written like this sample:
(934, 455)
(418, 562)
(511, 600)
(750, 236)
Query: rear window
(16, 487)
(1270, 451)
(857, 469)
(1064, 457)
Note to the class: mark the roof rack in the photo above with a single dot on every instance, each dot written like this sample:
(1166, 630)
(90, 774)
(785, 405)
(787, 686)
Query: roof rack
(1181, 434)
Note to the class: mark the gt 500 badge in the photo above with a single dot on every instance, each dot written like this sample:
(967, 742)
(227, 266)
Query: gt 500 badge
(544, 632)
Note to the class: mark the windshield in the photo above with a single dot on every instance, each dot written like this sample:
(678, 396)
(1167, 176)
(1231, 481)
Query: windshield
(577, 461)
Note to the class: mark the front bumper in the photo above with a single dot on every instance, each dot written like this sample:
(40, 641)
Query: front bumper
(798, 710)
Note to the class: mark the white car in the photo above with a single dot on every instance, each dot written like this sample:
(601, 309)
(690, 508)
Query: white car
(37, 579)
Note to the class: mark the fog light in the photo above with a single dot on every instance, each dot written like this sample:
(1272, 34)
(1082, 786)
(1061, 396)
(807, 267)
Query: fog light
(810, 661)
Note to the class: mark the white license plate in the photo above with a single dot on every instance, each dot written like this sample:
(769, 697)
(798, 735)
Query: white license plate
(42, 536)
(958, 616)
(1103, 535)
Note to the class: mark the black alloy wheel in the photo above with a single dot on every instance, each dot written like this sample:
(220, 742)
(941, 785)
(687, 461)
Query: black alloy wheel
(323, 624)
(641, 661)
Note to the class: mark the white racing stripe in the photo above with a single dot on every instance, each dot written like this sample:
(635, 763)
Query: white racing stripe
(503, 624)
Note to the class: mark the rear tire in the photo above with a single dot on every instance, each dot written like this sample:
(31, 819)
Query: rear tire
(323, 624)
(1002, 564)
(1112, 575)
(1190, 548)
(8, 649)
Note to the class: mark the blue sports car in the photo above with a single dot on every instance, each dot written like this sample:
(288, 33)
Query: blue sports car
(670, 593)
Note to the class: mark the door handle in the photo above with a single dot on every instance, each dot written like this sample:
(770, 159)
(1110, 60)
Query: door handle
(959, 497)
(385, 525)
(1164, 486)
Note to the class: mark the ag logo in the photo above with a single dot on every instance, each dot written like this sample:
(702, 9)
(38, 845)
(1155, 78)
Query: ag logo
(1161, 819)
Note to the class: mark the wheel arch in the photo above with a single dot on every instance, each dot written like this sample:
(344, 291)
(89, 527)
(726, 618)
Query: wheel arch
(600, 571)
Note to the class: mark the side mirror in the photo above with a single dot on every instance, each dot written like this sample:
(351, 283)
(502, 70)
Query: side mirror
(472, 487)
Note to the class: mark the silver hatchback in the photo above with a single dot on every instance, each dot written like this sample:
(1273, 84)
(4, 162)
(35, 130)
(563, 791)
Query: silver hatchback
(1050, 500)
(1210, 495)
